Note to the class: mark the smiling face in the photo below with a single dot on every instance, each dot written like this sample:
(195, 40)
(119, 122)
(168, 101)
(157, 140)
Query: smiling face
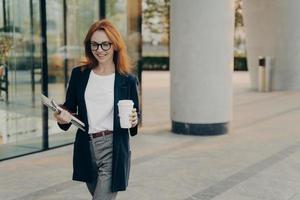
(102, 48)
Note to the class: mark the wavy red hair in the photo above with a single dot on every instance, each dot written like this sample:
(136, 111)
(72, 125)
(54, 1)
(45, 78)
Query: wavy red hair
(121, 59)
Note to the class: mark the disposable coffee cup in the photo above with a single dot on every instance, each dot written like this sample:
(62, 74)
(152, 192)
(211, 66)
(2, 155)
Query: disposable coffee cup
(125, 109)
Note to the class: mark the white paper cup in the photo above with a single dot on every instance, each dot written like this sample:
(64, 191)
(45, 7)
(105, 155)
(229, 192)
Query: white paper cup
(125, 109)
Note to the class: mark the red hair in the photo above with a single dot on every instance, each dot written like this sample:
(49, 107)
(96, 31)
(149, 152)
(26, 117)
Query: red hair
(121, 59)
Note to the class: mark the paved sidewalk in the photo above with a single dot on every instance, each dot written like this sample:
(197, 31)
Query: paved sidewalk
(258, 160)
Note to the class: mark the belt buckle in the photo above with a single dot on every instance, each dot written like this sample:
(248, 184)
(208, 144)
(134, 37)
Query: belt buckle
(102, 133)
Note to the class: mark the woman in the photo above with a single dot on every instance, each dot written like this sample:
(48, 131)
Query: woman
(101, 152)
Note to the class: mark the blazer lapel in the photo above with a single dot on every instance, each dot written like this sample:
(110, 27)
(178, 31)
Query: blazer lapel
(85, 78)
(120, 92)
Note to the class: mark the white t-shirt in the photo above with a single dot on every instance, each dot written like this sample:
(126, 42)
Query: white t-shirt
(99, 99)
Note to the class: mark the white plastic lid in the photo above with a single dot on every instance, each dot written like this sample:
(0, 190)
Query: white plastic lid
(125, 102)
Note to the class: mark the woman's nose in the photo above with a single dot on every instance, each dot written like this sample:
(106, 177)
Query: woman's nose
(100, 50)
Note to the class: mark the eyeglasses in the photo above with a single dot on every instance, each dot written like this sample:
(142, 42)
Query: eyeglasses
(105, 46)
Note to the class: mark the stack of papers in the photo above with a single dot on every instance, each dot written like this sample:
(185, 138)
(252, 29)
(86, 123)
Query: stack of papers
(51, 104)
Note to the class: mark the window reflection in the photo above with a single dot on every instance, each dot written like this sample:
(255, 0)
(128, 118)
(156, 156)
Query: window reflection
(20, 114)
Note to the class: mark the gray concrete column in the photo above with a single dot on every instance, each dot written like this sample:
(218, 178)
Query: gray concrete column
(201, 64)
(273, 29)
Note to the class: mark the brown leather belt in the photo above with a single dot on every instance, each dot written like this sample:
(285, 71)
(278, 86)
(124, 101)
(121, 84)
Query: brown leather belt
(101, 133)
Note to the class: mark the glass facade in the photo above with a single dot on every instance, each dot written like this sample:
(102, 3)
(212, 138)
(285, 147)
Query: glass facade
(67, 21)
(20, 112)
(155, 28)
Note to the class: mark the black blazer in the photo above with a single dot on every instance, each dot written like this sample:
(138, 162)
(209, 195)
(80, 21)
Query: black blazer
(125, 87)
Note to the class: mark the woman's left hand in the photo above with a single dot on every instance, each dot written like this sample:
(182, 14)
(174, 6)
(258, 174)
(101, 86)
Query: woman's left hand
(133, 118)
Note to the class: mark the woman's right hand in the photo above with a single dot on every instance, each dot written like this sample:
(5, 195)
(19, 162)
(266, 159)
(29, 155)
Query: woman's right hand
(63, 118)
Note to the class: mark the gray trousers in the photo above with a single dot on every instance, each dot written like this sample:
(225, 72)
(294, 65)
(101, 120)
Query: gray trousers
(101, 151)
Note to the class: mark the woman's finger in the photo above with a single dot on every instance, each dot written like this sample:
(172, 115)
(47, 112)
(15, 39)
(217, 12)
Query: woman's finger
(63, 118)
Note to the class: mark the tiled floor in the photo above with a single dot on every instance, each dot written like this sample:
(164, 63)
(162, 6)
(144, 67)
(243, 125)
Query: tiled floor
(257, 160)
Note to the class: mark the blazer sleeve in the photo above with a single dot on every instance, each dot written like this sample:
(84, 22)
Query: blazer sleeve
(70, 102)
(135, 98)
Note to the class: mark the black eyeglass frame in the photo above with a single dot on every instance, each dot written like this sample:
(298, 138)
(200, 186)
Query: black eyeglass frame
(101, 45)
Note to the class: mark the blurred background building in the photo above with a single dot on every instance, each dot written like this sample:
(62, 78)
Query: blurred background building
(31, 64)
